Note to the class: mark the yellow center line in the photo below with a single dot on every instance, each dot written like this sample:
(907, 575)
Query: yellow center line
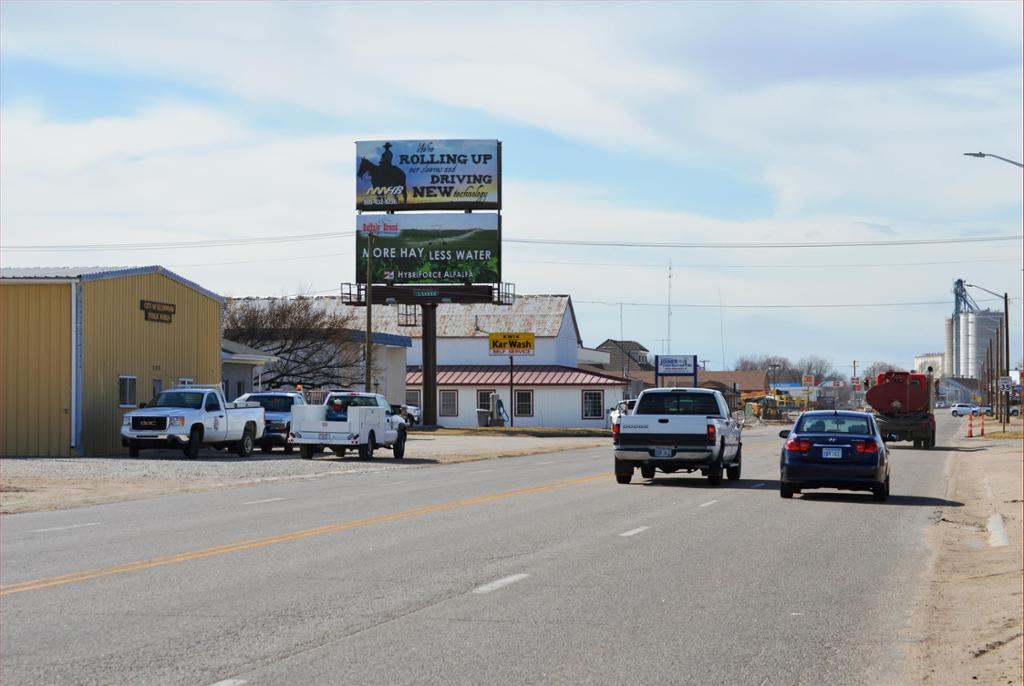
(140, 565)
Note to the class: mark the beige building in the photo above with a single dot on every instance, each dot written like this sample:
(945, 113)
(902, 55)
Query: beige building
(80, 347)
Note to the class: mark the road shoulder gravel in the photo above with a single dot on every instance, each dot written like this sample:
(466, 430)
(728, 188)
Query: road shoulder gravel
(967, 626)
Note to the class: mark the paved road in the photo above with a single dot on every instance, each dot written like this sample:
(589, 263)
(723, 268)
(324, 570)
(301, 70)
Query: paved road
(528, 570)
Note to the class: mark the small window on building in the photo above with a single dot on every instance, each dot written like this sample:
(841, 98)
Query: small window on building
(449, 403)
(483, 399)
(593, 404)
(412, 397)
(185, 381)
(524, 403)
(126, 391)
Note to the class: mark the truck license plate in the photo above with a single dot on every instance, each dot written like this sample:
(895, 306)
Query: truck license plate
(832, 453)
(325, 437)
(663, 452)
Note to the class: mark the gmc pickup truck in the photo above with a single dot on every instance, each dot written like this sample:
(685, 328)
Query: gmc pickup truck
(189, 417)
(678, 429)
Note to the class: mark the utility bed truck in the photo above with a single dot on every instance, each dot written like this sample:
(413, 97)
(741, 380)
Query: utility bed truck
(363, 421)
(189, 417)
(678, 429)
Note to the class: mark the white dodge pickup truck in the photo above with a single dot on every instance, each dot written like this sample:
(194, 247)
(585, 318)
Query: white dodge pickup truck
(347, 419)
(189, 417)
(678, 429)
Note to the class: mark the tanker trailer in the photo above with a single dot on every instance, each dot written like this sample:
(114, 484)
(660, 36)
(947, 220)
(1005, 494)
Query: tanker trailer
(902, 402)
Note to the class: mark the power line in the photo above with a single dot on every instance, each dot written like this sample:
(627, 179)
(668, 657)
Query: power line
(218, 243)
(849, 244)
(224, 242)
(775, 306)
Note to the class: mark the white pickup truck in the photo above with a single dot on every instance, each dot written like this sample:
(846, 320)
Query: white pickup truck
(678, 429)
(363, 421)
(189, 417)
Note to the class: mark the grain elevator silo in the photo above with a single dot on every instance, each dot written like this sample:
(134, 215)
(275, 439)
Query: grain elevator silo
(968, 334)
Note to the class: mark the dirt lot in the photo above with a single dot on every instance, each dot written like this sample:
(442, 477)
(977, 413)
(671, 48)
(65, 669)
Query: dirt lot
(968, 627)
(31, 484)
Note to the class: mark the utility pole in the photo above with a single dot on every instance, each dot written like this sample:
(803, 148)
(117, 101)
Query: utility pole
(704, 364)
(369, 314)
(669, 339)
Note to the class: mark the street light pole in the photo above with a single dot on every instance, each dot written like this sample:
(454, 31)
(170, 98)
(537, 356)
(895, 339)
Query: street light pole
(988, 154)
(1006, 337)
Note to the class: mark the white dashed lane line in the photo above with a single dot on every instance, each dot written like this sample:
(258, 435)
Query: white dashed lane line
(480, 471)
(63, 528)
(500, 583)
(268, 500)
(230, 682)
(634, 532)
(710, 502)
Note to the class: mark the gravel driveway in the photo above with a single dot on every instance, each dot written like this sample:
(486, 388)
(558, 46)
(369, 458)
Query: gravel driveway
(46, 483)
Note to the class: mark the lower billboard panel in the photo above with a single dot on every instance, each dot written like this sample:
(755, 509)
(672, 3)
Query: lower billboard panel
(430, 248)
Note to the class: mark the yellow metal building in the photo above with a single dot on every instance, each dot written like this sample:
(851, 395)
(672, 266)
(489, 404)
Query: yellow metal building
(80, 347)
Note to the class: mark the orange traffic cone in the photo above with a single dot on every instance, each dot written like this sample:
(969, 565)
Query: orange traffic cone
(982, 425)
(970, 426)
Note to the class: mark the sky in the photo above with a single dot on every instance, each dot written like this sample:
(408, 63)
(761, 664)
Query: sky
(727, 123)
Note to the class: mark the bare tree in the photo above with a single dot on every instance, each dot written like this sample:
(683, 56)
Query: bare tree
(875, 368)
(314, 346)
(821, 368)
(784, 371)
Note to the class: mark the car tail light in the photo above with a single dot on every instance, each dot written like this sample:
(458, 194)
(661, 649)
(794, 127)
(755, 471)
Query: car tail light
(796, 445)
(712, 435)
(865, 447)
(615, 434)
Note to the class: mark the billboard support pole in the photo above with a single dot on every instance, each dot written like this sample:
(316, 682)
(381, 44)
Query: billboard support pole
(369, 315)
(429, 364)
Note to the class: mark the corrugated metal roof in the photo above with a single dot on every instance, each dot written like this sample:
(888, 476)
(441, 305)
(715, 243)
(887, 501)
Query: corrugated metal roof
(540, 314)
(524, 375)
(99, 273)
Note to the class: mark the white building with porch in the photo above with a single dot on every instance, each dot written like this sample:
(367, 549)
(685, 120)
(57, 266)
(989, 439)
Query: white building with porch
(549, 389)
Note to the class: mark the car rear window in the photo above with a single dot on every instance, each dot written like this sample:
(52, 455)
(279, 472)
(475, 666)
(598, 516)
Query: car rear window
(677, 403)
(832, 425)
(272, 403)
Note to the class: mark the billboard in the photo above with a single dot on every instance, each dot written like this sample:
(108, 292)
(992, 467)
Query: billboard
(428, 175)
(673, 365)
(430, 248)
(514, 344)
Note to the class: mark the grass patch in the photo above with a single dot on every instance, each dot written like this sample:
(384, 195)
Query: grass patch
(1004, 434)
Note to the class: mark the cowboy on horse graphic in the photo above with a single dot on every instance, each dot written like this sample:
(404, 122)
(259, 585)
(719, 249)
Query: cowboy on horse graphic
(384, 174)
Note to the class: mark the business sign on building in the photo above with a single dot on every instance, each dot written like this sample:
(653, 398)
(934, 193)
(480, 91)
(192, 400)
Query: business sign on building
(430, 248)
(511, 344)
(428, 175)
(157, 312)
(676, 365)
(807, 380)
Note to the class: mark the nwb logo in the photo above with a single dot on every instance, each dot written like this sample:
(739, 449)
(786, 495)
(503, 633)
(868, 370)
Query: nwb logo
(385, 190)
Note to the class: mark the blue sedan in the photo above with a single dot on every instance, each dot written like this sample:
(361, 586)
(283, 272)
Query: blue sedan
(832, 449)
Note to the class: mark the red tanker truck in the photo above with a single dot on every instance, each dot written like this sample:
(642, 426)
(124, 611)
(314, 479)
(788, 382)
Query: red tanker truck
(902, 402)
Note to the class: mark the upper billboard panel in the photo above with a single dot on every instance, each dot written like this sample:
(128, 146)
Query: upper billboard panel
(430, 248)
(428, 175)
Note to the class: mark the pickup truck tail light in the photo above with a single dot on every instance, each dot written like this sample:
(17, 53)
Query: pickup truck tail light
(615, 434)
(796, 445)
(868, 446)
(712, 434)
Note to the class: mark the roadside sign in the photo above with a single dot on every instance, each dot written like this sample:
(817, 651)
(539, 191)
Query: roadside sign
(676, 365)
(1005, 383)
(807, 380)
(510, 344)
